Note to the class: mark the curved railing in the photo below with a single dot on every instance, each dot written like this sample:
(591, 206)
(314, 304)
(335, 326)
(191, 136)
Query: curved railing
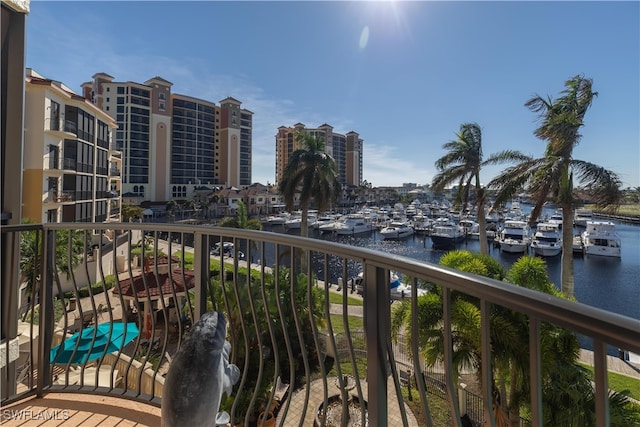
(282, 326)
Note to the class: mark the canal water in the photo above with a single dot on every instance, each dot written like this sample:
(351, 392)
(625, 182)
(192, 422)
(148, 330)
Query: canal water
(612, 284)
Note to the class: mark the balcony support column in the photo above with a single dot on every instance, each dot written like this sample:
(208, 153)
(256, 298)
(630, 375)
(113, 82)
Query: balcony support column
(45, 294)
(602, 383)
(535, 369)
(201, 268)
(376, 308)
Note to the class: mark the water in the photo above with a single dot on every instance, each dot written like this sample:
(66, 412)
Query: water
(612, 284)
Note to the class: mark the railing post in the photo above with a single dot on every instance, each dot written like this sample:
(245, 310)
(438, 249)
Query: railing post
(45, 295)
(600, 377)
(377, 327)
(10, 311)
(201, 269)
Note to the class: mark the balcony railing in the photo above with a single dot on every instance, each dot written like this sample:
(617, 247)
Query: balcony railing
(66, 196)
(282, 327)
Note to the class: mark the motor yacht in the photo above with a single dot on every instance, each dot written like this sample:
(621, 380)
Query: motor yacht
(514, 237)
(600, 238)
(547, 240)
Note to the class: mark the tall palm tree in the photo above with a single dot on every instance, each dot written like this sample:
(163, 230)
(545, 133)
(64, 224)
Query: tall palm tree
(552, 176)
(70, 245)
(312, 173)
(462, 165)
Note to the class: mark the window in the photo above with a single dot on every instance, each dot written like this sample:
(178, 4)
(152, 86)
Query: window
(161, 106)
(161, 96)
(120, 90)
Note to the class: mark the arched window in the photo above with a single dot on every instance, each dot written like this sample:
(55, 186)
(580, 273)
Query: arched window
(141, 192)
(135, 188)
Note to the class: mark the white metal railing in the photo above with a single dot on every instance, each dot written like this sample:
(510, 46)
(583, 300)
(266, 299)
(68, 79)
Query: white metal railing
(278, 320)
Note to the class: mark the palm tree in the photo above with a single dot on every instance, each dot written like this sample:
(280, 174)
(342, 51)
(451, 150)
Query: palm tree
(566, 388)
(241, 219)
(462, 165)
(312, 173)
(172, 207)
(553, 175)
(69, 245)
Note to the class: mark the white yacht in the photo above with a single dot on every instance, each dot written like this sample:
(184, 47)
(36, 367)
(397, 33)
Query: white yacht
(514, 237)
(352, 224)
(581, 216)
(547, 240)
(600, 238)
(397, 230)
(446, 235)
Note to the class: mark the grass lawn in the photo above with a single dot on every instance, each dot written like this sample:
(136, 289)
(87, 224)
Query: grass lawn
(335, 298)
(633, 209)
(620, 382)
(337, 322)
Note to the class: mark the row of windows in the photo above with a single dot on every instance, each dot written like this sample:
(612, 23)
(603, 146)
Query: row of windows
(140, 92)
(201, 127)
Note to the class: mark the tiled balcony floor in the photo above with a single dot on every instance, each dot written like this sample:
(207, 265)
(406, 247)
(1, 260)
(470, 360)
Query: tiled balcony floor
(73, 409)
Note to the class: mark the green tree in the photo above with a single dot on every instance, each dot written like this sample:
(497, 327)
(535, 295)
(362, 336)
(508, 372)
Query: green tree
(567, 392)
(70, 246)
(552, 176)
(130, 212)
(172, 207)
(461, 165)
(241, 220)
(312, 173)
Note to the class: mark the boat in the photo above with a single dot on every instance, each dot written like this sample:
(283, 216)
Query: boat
(600, 238)
(447, 235)
(470, 227)
(397, 289)
(514, 236)
(422, 224)
(228, 249)
(352, 224)
(296, 221)
(581, 216)
(547, 240)
(323, 220)
(276, 219)
(397, 230)
(577, 246)
(556, 218)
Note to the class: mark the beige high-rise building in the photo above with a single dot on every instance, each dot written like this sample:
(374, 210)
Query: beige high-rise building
(173, 144)
(346, 150)
(70, 169)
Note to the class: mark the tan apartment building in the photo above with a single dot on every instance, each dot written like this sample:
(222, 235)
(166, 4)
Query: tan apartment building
(70, 167)
(173, 144)
(346, 150)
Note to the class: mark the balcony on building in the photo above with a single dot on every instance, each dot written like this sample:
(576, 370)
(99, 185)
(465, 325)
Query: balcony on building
(59, 127)
(323, 359)
(65, 196)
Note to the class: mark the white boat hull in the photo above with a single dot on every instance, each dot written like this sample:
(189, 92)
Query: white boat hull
(546, 251)
(513, 246)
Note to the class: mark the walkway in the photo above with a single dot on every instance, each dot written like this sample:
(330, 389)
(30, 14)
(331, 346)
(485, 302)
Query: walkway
(299, 402)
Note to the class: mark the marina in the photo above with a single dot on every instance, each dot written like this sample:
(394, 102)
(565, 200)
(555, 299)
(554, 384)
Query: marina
(609, 283)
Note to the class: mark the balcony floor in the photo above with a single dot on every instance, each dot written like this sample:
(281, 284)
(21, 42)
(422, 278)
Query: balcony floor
(73, 409)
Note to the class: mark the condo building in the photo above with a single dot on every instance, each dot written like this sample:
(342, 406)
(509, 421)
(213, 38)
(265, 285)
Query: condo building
(346, 150)
(70, 167)
(173, 144)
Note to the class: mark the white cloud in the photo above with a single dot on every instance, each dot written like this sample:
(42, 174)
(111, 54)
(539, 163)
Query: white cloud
(383, 166)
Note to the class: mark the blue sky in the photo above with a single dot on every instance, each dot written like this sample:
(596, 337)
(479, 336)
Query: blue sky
(404, 75)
